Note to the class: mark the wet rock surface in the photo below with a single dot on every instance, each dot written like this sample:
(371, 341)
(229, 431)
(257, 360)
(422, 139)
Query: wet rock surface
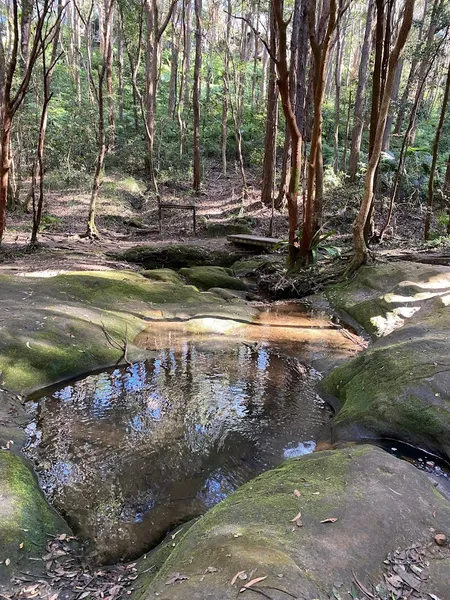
(357, 505)
(400, 386)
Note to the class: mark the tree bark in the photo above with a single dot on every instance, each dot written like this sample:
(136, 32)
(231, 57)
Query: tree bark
(361, 252)
(437, 137)
(271, 122)
(196, 94)
(363, 73)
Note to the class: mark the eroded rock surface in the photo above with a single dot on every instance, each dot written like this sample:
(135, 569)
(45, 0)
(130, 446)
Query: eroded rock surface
(374, 502)
(400, 386)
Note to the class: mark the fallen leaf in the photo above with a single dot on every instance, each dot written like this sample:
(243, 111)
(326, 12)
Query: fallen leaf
(252, 583)
(7, 562)
(329, 520)
(297, 517)
(176, 577)
(239, 575)
(297, 493)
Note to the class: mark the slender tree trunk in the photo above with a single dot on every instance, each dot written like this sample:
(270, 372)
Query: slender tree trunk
(173, 68)
(337, 97)
(437, 137)
(360, 247)
(196, 94)
(25, 31)
(297, 85)
(120, 83)
(271, 122)
(358, 119)
(406, 142)
(320, 50)
(296, 137)
(5, 165)
(390, 117)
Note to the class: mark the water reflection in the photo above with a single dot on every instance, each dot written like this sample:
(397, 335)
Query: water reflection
(127, 455)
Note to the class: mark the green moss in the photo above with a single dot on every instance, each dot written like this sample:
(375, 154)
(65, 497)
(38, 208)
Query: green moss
(255, 521)
(176, 256)
(244, 268)
(389, 390)
(210, 277)
(64, 327)
(25, 516)
(165, 275)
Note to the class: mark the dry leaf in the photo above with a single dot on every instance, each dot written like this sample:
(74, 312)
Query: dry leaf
(21, 545)
(297, 493)
(440, 539)
(329, 520)
(252, 583)
(297, 517)
(239, 575)
(176, 577)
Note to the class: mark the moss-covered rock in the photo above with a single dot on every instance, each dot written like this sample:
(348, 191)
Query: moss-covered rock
(246, 268)
(378, 503)
(26, 520)
(72, 323)
(210, 277)
(382, 297)
(400, 386)
(164, 275)
(176, 256)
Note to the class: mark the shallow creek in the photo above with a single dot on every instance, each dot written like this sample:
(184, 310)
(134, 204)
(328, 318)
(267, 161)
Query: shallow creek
(128, 454)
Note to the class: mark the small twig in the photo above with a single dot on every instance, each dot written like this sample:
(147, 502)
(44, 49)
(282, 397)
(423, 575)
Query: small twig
(363, 589)
(258, 591)
(83, 588)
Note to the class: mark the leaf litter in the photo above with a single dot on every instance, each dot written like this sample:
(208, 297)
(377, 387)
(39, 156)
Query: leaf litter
(67, 576)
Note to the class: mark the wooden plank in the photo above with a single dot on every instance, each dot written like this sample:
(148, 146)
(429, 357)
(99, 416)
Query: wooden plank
(253, 240)
(169, 205)
(185, 207)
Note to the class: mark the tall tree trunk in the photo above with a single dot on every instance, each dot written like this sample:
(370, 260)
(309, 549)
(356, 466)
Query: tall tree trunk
(320, 40)
(363, 73)
(105, 35)
(110, 92)
(271, 122)
(25, 31)
(297, 83)
(437, 137)
(174, 51)
(296, 137)
(390, 117)
(361, 251)
(196, 93)
(337, 97)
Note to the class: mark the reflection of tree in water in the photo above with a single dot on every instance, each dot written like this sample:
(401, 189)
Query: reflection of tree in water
(184, 429)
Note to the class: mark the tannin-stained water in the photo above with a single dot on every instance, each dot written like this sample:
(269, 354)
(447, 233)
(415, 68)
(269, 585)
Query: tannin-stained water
(128, 454)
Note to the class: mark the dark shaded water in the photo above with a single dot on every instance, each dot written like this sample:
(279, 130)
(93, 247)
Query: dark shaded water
(127, 455)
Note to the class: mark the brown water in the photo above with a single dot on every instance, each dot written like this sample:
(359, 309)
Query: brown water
(127, 455)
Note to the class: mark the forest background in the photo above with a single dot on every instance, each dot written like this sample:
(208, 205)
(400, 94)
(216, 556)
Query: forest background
(320, 114)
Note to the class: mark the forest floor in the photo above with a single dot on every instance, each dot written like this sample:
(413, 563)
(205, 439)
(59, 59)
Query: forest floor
(128, 216)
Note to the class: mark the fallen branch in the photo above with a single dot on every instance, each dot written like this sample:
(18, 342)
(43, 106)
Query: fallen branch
(122, 346)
